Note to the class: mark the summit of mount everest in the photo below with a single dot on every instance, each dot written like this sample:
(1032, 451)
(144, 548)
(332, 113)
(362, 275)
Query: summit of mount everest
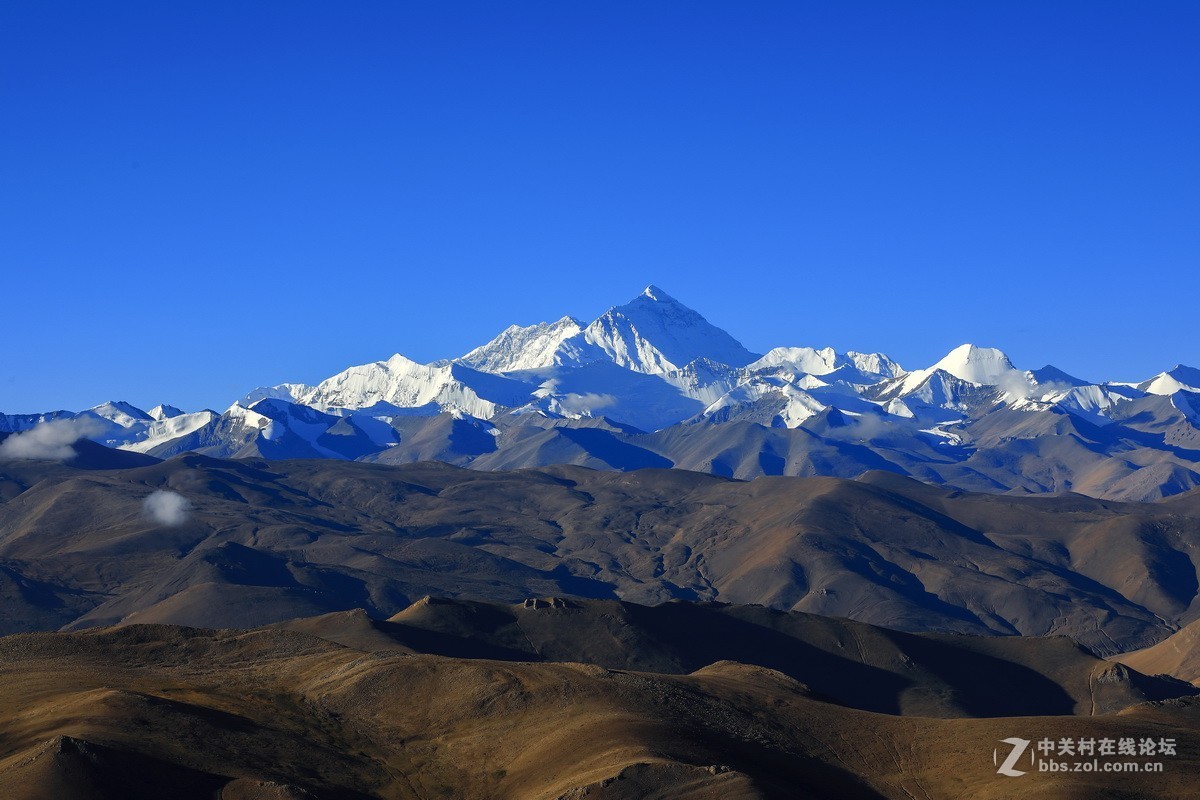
(652, 383)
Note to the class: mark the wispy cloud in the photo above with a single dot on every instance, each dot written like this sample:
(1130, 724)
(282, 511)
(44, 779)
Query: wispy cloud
(585, 403)
(166, 507)
(50, 441)
(1016, 386)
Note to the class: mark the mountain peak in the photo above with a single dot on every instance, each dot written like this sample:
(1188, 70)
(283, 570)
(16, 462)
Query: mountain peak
(658, 295)
(1180, 377)
(1051, 374)
(163, 411)
(982, 365)
(520, 347)
(655, 333)
(121, 412)
(127, 407)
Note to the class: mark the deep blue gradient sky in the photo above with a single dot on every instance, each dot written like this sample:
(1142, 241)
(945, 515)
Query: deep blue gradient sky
(198, 198)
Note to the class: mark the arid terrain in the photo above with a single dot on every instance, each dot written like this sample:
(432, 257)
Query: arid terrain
(324, 629)
(257, 542)
(462, 700)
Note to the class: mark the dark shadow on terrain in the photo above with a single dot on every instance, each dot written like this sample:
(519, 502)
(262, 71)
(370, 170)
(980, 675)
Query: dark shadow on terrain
(986, 686)
(612, 451)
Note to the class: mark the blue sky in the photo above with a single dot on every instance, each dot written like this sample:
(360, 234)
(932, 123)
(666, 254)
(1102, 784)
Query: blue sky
(198, 198)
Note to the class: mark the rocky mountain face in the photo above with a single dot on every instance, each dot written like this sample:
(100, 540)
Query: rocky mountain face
(652, 383)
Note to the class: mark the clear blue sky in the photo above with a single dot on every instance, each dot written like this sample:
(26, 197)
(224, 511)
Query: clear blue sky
(198, 198)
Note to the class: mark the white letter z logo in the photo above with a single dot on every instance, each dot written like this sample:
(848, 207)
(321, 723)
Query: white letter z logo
(1018, 749)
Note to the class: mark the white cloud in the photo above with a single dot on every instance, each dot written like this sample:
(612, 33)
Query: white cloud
(166, 507)
(50, 441)
(585, 404)
(1015, 385)
(862, 428)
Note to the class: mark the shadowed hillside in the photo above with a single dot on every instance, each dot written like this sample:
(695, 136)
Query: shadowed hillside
(262, 542)
(154, 711)
(849, 663)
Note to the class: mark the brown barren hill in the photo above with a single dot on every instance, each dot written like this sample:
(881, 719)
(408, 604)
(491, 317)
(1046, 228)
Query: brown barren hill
(264, 542)
(847, 662)
(158, 711)
(1178, 655)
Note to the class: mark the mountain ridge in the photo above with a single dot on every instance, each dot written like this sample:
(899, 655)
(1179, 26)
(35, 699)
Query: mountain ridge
(681, 393)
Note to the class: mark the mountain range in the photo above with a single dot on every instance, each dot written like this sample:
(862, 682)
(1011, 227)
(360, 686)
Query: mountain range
(651, 383)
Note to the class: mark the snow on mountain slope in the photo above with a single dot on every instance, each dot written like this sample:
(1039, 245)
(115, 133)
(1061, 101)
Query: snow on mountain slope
(121, 413)
(954, 382)
(292, 421)
(876, 364)
(1092, 403)
(523, 348)
(985, 366)
(776, 401)
(1181, 378)
(1188, 404)
(603, 389)
(115, 424)
(905, 385)
(222, 435)
(400, 383)
(653, 333)
(771, 403)
(873, 366)
(282, 391)
(1053, 376)
(654, 366)
(935, 395)
(705, 380)
(170, 428)
(246, 417)
(15, 423)
(118, 423)
(805, 359)
(163, 411)
(272, 428)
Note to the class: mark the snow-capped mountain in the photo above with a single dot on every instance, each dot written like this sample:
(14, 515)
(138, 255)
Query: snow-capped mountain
(163, 412)
(401, 385)
(1179, 379)
(523, 348)
(985, 366)
(16, 423)
(870, 367)
(653, 383)
(170, 428)
(774, 403)
(965, 366)
(653, 333)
